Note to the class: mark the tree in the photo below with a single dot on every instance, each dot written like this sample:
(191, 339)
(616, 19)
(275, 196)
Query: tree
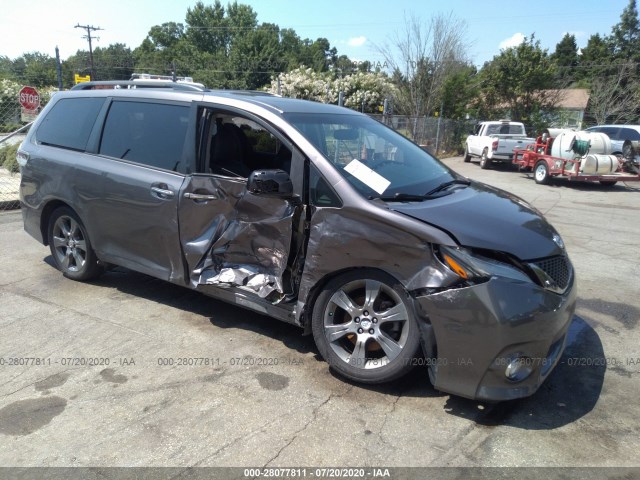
(36, 69)
(318, 54)
(566, 56)
(597, 52)
(422, 57)
(458, 91)
(291, 46)
(255, 56)
(615, 98)
(521, 80)
(166, 49)
(611, 66)
(165, 36)
(207, 29)
(6, 68)
(594, 59)
(625, 35)
(116, 62)
(225, 47)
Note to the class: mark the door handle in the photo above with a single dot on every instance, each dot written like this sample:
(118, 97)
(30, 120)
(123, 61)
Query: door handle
(162, 192)
(200, 196)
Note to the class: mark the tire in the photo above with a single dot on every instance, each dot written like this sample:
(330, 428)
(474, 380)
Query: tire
(467, 155)
(70, 246)
(628, 151)
(541, 173)
(485, 162)
(608, 183)
(363, 326)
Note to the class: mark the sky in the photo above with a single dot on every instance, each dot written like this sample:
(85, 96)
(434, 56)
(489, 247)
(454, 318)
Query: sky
(354, 27)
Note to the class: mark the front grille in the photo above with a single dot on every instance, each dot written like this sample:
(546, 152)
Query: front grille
(557, 268)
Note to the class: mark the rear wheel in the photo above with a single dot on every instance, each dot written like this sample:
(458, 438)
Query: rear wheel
(485, 162)
(70, 246)
(364, 327)
(467, 155)
(541, 173)
(608, 183)
(628, 151)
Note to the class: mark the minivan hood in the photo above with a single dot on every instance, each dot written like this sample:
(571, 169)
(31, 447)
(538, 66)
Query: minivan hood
(480, 216)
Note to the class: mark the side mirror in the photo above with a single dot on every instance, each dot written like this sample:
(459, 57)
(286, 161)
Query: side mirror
(270, 183)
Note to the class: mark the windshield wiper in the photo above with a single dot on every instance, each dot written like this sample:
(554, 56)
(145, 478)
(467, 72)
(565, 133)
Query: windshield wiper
(440, 191)
(403, 197)
(445, 185)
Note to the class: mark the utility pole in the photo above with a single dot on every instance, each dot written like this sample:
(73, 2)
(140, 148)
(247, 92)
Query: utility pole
(58, 69)
(89, 29)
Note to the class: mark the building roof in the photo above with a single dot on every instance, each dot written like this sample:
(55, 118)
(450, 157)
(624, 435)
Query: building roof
(572, 98)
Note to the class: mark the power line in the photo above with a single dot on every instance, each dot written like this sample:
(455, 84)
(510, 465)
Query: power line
(89, 29)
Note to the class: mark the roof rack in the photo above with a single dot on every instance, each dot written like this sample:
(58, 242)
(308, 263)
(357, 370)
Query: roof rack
(131, 84)
(153, 76)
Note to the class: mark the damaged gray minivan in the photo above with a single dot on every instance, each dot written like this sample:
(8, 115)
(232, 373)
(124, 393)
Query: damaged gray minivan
(310, 213)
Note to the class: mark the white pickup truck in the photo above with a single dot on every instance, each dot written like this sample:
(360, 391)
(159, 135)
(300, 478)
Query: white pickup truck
(495, 141)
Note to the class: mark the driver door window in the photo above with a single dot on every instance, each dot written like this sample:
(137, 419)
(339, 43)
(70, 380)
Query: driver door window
(237, 146)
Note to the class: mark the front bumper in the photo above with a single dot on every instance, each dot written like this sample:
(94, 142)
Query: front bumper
(470, 335)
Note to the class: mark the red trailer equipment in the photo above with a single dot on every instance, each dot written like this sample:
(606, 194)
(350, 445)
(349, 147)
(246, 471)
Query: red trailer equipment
(576, 156)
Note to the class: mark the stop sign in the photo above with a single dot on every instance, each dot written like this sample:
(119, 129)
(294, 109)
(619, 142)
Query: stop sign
(29, 98)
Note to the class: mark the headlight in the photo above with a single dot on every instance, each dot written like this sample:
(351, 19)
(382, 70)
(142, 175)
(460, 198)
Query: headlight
(475, 268)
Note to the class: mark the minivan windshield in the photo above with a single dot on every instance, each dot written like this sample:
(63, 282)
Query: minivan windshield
(376, 160)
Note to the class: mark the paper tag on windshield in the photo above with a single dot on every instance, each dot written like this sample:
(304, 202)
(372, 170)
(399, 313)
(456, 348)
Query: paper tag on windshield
(367, 176)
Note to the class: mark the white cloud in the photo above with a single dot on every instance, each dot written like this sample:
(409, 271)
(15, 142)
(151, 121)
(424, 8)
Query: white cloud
(513, 41)
(577, 34)
(357, 41)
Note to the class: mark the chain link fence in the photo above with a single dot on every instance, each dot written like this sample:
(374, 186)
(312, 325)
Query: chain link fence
(440, 136)
(12, 119)
(9, 176)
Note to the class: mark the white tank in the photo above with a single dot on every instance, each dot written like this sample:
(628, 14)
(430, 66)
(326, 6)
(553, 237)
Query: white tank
(554, 132)
(594, 164)
(561, 144)
(600, 142)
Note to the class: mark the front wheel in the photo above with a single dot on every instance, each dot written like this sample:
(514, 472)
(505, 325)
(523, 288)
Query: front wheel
(363, 326)
(485, 162)
(541, 173)
(70, 246)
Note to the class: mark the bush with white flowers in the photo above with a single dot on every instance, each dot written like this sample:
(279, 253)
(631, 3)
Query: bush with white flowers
(362, 90)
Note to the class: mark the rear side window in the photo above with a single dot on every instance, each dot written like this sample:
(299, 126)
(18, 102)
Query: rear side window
(149, 133)
(611, 132)
(69, 123)
(629, 134)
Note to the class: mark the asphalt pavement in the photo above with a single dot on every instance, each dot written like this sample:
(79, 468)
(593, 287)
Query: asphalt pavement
(132, 371)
